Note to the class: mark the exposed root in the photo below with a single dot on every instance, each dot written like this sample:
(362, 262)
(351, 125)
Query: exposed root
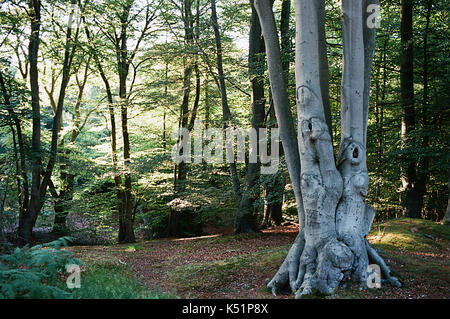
(377, 259)
(306, 271)
(331, 245)
(324, 270)
(286, 276)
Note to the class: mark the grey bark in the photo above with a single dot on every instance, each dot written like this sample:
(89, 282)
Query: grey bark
(334, 219)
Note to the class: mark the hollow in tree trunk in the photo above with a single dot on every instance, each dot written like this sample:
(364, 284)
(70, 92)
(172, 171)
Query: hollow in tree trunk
(334, 219)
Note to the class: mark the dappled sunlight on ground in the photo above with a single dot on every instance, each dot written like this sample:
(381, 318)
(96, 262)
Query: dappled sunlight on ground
(236, 266)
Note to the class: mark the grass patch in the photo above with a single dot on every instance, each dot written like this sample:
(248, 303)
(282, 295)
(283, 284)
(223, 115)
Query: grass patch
(354, 291)
(410, 235)
(112, 281)
(134, 247)
(216, 275)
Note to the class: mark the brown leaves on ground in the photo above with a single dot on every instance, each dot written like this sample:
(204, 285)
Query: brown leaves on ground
(237, 266)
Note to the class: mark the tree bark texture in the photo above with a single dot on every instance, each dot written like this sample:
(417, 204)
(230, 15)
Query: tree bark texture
(334, 219)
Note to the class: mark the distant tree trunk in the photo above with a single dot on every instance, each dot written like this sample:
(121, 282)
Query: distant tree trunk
(64, 199)
(380, 95)
(412, 203)
(424, 161)
(285, 39)
(226, 114)
(109, 97)
(22, 177)
(124, 59)
(334, 218)
(166, 77)
(245, 218)
(3, 240)
(190, 65)
(126, 229)
(274, 191)
(207, 103)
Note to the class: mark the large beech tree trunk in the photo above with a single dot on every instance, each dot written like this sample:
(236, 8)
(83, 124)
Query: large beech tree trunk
(334, 219)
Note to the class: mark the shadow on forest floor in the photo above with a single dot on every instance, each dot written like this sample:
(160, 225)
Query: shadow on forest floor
(417, 251)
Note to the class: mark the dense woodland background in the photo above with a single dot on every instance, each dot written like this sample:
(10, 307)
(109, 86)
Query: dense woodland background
(88, 115)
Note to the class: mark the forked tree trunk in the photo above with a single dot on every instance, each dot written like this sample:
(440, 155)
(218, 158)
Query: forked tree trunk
(28, 217)
(334, 220)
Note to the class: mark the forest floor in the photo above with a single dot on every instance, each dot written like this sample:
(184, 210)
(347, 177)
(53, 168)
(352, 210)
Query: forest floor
(236, 266)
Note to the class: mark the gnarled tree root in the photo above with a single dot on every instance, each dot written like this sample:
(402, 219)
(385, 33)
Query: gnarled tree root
(386, 272)
(307, 271)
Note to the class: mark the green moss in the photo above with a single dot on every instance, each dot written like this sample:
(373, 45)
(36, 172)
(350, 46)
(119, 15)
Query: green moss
(410, 235)
(214, 276)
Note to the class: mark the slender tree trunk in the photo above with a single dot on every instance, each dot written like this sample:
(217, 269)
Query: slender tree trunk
(3, 240)
(116, 175)
(226, 114)
(64, 199)
(207, 103)
(23, 195)
(424, 161)
(245, 218)
(408, 174)
(274, 192)
(166, 77)
(188, 69)
(190, 65)
(26, 219)
(126, 230)
(38, 186)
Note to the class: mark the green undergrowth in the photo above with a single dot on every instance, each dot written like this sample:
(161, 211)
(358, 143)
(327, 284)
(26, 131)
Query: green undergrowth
(41, 272)
(415, 251)
(113, 281)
